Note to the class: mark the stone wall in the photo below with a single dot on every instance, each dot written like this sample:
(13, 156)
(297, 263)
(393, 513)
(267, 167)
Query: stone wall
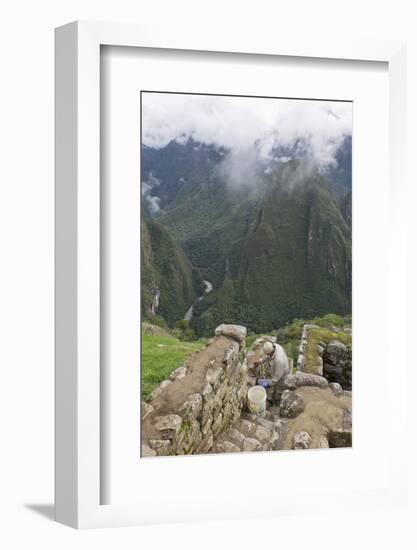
(200, 400)
(333, 360)
(337, 367)
(302, 348)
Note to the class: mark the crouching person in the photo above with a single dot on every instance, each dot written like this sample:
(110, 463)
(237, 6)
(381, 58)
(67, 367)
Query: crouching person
(273, 368)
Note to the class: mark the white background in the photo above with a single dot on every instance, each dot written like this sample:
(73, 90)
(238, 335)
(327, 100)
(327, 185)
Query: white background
(26, 302)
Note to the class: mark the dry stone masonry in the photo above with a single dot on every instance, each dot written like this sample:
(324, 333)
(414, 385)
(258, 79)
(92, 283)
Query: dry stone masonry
(338, 364)
(302, 348)
(333, 360)
(201, 407)
(200, 400)
(252, 434)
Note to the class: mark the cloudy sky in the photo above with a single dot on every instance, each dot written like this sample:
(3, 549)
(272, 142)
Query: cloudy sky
(238, 122)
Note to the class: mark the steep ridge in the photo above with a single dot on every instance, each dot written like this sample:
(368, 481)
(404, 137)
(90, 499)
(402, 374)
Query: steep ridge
(169, 283)
(295, 262)
(276, 248)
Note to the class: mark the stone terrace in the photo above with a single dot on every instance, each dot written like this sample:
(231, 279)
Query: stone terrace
(200, 400)
(202, 407)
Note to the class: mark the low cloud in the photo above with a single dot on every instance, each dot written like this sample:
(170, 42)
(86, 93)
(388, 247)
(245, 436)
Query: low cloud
(152, 201)
(252, 130)
(240, 167)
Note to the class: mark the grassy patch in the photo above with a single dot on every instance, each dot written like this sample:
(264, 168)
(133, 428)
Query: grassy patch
(331, 320)
(160, 356)
(155, 330)
(250, 340)
(325, 335)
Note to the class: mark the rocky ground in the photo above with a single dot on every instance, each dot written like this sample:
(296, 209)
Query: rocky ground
(311, 417)
(202, 407)
(313, 413)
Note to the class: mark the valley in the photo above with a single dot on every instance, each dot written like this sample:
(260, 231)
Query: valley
(189, 313)
(273, 248)
(246, 280)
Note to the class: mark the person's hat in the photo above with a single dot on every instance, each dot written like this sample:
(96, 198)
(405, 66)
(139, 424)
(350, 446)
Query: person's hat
(268, 347)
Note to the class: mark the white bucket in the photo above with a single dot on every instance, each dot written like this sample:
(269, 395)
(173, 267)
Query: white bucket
(257, 400)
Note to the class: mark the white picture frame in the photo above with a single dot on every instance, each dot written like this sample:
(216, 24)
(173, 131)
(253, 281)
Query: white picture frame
(77, 242)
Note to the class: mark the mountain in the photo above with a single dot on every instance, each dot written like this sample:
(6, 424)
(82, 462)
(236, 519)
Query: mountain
(339, 174)
(169, 284)
(172, 170)
(203, 215)
(295, 262)
(346, 208)
(276, 247)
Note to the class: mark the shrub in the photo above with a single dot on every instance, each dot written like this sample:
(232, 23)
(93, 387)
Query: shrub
(329, 320)
(183, 331)
(181, 324)
(160, 355)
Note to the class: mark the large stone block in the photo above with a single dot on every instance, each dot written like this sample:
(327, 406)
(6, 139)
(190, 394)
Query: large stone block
(147, 409)
(338, 364)
(251, 445)
(147, 451)
(207, 425)
(235, 437)
(336, 352)
(336, 388)
(248, 428)
(189, 437)
(292, 404)
(206, 443)
(300, 379)
(217, 424)
(237, 332)
(213, 375)
(302, 440)
(221, 391)
(168, 425)
(262, 434)
(178, 374)
(192, 406)
(207, 391)
(162, 447)
(229, 447)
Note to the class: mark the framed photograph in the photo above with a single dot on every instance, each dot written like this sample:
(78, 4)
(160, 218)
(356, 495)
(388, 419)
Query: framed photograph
(228, 217)
(246, 236)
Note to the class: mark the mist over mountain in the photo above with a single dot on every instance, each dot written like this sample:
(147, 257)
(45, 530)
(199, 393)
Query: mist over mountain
(265, 217)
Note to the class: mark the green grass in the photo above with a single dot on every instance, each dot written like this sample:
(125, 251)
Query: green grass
(160, 356)
(250, 340)
(325, 335)
(331, 320)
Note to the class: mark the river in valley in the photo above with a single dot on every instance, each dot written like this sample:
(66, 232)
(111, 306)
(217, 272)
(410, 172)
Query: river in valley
(209, 287)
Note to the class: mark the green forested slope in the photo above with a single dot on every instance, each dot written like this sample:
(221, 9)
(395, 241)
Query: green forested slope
(165, 268)
(275, 248)
(293, 262)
